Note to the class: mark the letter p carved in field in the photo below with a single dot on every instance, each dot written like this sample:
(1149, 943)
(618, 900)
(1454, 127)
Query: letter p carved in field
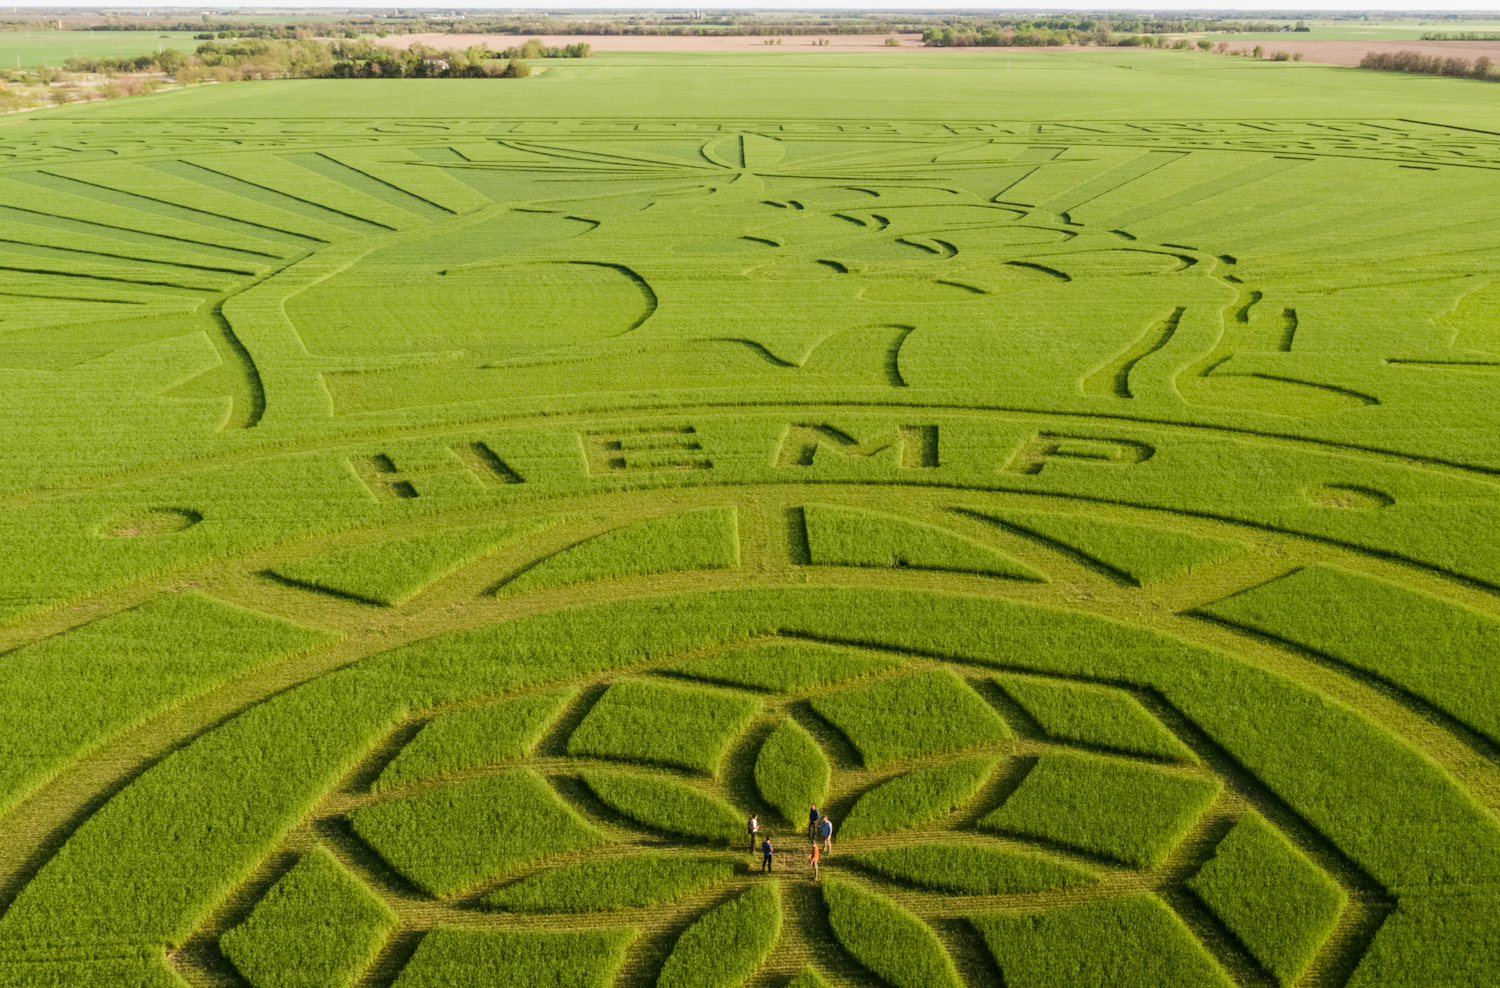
(389, 480)
(1044, 447)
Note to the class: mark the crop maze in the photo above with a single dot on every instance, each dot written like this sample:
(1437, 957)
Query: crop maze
(430, 541)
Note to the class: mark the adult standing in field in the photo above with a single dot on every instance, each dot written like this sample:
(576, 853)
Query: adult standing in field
(813, 857)
(766, 850)
(825, 831)
(812, 822)
(753, 825)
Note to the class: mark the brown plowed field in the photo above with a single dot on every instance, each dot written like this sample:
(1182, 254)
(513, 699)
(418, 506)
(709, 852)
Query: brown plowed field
(625, 42)
(1326, 52)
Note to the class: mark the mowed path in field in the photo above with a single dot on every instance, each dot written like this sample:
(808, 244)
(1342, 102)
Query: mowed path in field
(1327, 52)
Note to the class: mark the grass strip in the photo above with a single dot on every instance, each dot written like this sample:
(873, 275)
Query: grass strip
(1432, 940)
(791, 771)
(149, 865)
(1095, 715)
(917, 797)
(666, 804)
(808, 977)
(785, 666)
(614, 883)
(927, 713)
(1130, 942)
(703, 539)
(148, 970)
(850, 537)
(390, 573)
(476, 737)
(728, 944)
(649, 721)
(1129, 812)
(895, 945)
(318, 927)
(969, 870)
(62, 696)
(1437, 650)
(516, 959)
(1271, 896)
(1139, 552)
(474, 830)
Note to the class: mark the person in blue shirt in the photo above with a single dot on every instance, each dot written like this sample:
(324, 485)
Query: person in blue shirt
(825, 831)
(812, 822)
(766, 850)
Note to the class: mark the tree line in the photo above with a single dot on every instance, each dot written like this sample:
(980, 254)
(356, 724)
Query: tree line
(1418, 63)
(270, 58)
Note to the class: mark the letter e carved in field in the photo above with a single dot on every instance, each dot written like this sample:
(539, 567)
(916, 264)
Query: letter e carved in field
(643, 451)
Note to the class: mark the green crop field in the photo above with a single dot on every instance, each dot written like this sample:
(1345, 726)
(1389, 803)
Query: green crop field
(31, 49)
(438, 514)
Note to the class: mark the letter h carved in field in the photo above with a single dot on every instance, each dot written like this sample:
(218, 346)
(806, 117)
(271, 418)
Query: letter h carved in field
(389, 482)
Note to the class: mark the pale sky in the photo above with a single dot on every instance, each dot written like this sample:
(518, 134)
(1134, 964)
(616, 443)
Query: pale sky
(1415, 9)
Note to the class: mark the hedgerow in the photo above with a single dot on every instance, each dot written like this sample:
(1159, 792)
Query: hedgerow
(926, 713)
(455, 837)
(1276, 901)
(704, 539)
(785, 666)
(791, 771)
(917, 797)
(1095, 715)
(317, 927)
(390, 573)
(614, 883)
(1135, 940)
(475, 738)
(1122, 810)
(891, 942)
(665, 804)
(974, 870)
(652, 721)
(848, 537)
(728, 944)
(517, 959)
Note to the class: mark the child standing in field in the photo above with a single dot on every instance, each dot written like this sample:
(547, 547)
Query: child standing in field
(766, 850)
(813, 857)
(825, 831)
(753, 825)
(812, 822)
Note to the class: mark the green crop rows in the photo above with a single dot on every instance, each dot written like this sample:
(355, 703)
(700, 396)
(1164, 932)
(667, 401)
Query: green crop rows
(437, 519)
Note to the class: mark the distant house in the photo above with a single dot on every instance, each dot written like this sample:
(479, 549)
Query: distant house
(441, 64)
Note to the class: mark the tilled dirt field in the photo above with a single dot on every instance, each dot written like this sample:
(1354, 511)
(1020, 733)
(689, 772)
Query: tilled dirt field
(1325, 52)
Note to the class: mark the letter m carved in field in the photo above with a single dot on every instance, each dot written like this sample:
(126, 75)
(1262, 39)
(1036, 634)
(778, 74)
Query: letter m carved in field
(915, 446)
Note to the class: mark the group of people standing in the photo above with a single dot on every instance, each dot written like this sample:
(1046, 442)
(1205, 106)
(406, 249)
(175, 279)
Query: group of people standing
(819, 832)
